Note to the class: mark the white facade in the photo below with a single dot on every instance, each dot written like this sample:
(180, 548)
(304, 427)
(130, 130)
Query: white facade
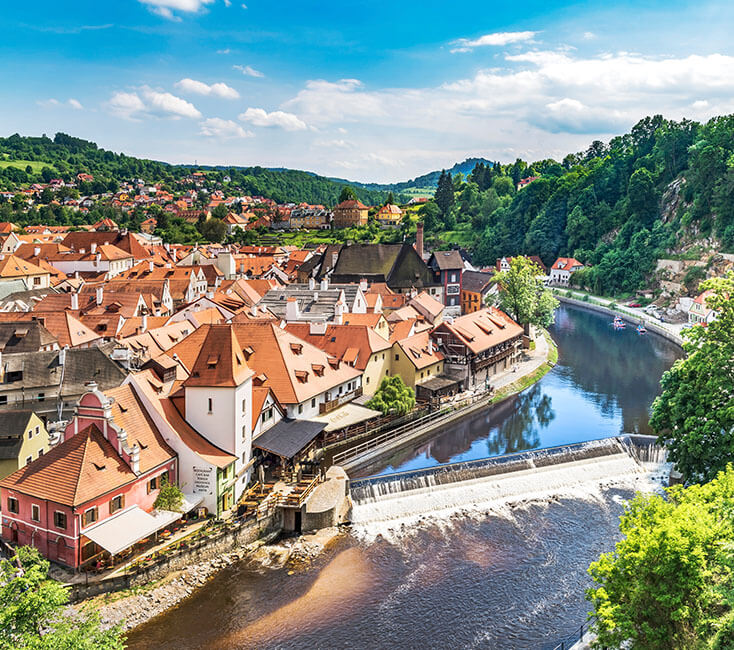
(310, 408)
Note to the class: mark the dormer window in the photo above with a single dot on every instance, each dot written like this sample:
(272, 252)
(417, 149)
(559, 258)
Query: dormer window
(296, 348)
(302, 376)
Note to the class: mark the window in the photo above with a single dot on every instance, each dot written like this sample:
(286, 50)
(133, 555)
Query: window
(118, 503)
(30, 434)
(35, 512)
(28, 460)
(37, 431)
(397, 357)
(210, 404)
(90, 516)
(244, 457)
(3, 399)
(313, 402)
(368, 380)
(13, 505)
(41, 396)
(300, 408)
(244, 405)
(244, 431)
(40, 453)
(153, 484)
(60, 520)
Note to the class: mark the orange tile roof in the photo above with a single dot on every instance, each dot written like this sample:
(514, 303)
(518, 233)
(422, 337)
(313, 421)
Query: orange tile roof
(420, 350)
(483, 329)
(12, 266)
(220, 360)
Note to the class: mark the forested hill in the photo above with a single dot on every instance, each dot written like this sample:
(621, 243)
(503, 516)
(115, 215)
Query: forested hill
(665, 187)
(25, 160)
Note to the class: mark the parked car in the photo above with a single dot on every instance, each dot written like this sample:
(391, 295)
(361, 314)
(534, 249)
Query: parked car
(634, 304)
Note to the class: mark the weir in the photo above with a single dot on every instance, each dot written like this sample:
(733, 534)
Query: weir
(500, 480)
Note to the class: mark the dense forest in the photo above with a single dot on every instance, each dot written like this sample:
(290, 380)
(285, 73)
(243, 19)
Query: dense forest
(63, 157)
(617, 206)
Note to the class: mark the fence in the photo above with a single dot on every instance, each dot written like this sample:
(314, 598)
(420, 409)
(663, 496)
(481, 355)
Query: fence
(438, 417)
(338, 438)
(581, 635)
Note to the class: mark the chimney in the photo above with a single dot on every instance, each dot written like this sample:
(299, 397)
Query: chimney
(151, 266)
(363, 284)
(292, 311)
(338, 311)
(82, 250)
(315, 296)
(62, 355)
(144, 324)
(317, 328)
(135, 458)
(36, 251)
(93, 248)
(334, 258)
(97, 258)
(75, 301)
(311, 284)
(419, 239)
(325, 284)
(100, 295)
(253, 311)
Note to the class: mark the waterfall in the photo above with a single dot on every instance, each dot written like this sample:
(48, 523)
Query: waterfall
(577, 470)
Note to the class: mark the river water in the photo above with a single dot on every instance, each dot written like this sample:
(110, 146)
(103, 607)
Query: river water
(510, 577)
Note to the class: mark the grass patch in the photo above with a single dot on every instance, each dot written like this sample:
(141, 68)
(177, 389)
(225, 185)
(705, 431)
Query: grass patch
(35, 165)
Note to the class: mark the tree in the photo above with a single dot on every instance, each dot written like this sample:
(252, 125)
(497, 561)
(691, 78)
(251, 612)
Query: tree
(213, 229)
(522, 294)
(347, 194)
(32, 610)
(668, 583)
(169, 497)
(643, 200)
(444, 196)
(220, 211)
(694, 415)
(390, 199)
(393, 396)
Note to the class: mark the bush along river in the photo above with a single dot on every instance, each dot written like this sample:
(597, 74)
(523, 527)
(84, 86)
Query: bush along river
(490, 575)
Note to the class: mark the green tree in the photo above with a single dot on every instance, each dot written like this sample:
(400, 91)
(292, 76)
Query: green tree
(393, 396)
(214, 230)
(347, 194)
(444, 196)
(32, 611)
(523, 296)
(390, 199)
(169, 497)
(220, 211)
(643, 199)
(694, 415)
(668, 583)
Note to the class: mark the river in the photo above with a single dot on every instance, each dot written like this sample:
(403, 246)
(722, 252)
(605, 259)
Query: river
(507, 578)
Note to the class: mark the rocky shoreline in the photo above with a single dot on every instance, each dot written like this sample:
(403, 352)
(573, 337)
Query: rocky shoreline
(147, 602)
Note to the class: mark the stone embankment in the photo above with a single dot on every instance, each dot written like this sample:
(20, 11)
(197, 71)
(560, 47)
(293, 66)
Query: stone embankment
(141, 604)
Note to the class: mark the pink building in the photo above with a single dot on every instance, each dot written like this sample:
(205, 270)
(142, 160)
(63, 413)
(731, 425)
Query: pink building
(93, 493)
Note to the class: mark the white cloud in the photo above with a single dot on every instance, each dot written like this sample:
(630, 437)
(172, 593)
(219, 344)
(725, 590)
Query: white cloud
(326, 102)
(165, 8)
(497, 39)
(588, 36)
(149, 102)
(248, 71)
(216, 127)
(280, 119)
(51, 102)
(227, 3)
(200, 88)
(226, 50)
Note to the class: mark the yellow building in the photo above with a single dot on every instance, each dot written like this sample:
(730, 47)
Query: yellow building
(416, 359)
(350, 213)
(389, 215)
(23, 438)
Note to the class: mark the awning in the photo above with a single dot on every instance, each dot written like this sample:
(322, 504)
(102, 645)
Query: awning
(346, 415)
(288, 437)
(122, 530)
(190, 501)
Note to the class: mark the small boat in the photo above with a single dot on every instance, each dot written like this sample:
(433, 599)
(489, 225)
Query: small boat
(618, 323)
(641, 329)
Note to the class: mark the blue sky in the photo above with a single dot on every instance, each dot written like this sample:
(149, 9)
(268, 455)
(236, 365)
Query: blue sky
(372, 91)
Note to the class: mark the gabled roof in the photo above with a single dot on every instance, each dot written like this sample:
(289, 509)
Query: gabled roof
(420, 350)
(12, 266)
(566, 264)
(481, 329)
(446, 260)
(76, 471)
(475, 281)
(351, 204)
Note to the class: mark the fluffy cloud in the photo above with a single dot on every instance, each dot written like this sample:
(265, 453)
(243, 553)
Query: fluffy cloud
(216, 127)
(71, 103)
(248, 71)
(497, 39)
(325, 102)
(149, 102)
(280, 119)
(200, 88)
(165, 8)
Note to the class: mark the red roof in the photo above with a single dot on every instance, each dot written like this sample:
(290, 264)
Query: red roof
(566, 264)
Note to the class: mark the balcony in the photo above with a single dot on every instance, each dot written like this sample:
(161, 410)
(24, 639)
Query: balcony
(327, 407)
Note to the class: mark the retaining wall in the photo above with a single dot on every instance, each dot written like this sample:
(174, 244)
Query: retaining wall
(203, 549)
(625, 315)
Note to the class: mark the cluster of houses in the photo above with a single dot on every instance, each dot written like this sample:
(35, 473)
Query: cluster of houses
(126, 363)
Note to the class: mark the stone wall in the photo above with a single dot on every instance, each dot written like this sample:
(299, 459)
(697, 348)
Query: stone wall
(224, 541)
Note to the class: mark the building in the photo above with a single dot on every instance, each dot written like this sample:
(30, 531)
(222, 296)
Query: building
(14, 268)
(448, 268)
(562, 269)
(389, 215)
(349, 213)
(92, 494)
(23, 438)
(312, 218)
(475, 287)
(699, 311)
(478, 345)
(416, 359)
(503, 263)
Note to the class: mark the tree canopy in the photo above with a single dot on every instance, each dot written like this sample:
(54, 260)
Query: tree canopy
(668, 583)
(32, 611)
(522, 294)
(393, 396)
(694, 415)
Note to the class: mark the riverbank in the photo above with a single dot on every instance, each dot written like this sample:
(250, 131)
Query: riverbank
(135, 606)
(670, 331)
(535, 364)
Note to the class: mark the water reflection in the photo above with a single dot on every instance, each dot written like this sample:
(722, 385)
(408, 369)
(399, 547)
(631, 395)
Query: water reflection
(603, 384)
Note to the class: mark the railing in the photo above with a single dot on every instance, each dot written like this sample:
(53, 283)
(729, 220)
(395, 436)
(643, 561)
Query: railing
(575, 637)
(439, 416)
(326, 407)
(297, 499)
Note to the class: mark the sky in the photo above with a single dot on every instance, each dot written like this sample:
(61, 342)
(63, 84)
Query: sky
(364, 90)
